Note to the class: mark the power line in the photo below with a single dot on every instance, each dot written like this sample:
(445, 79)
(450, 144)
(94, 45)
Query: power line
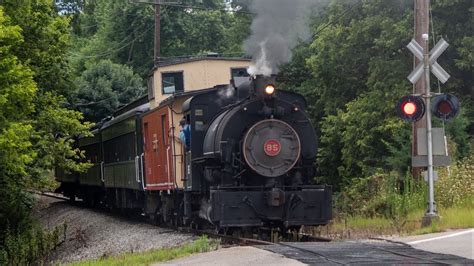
(193, 7)
(122, 41)
(347, 11)
(115, 50)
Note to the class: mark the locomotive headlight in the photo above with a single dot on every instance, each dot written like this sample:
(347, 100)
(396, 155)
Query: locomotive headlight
(269, 89)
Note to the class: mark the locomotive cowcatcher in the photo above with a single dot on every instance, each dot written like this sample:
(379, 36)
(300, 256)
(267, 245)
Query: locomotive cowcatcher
(248, 164)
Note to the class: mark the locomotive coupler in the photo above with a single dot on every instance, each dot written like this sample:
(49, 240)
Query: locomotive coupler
(275, 197)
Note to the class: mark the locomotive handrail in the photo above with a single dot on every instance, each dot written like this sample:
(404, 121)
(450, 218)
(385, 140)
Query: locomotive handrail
(137, 178)
(168, 163)
(102, 177)
(141, 167)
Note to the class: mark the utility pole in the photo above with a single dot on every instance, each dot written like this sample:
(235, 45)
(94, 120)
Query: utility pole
(422, 23)
(157, 33)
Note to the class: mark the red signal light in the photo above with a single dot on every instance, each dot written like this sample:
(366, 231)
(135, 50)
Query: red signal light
(445, 106)
(411, 108)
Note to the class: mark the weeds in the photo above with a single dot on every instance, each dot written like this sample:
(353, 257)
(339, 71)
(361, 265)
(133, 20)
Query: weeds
(30, 247)
(455, 187)
(80, 236)
(203, 244)
(386, 203)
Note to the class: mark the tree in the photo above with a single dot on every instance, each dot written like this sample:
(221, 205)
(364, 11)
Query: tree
(122, 32)
(36, 132)
(44, 50)
(106, 86)
(17, 88)
(355, 69)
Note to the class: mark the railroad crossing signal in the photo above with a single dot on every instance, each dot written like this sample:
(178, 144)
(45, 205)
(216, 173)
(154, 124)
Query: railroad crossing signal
(411, 108)
(436, 69)
(445, 106)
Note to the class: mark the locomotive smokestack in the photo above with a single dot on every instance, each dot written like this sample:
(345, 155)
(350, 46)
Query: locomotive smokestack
(276, 28)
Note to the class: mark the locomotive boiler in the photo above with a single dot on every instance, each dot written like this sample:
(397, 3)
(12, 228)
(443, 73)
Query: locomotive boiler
(248, 162)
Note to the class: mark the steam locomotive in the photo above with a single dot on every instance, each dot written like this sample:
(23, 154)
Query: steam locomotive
(248, 163)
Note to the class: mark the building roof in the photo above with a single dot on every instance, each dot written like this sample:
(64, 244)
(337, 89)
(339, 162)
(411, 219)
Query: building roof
(171, 98)
(183, 60)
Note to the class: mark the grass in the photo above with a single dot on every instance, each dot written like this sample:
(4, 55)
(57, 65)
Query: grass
(203, 244)
(452, 218)
(368, 223)
(363, 227)
(397, 204)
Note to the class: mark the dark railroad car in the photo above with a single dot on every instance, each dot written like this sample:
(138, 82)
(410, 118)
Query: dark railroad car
(122, 145)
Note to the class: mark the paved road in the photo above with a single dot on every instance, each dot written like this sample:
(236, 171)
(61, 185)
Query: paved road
(456, 242)
(453, 247)
(235, 256)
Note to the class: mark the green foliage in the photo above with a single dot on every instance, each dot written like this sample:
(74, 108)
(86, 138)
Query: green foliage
(106, 86)
(17, 88)
(355, 62)
(55, 129)
(389, 196)
(203, 244)
(43, 50)
(122, 32)
(455, 186)
(382, 195)
(355, 69)
(362, 139)
(36, 131)
(32, 246)
(46, 41)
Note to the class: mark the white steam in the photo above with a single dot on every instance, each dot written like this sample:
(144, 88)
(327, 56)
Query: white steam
(276, 29)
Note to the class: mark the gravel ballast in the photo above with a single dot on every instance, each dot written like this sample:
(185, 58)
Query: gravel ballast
(93, 234)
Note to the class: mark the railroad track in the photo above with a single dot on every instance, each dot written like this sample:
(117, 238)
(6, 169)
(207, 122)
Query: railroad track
(51, 195)
(362, 252)
(253, 241)
(340, 253)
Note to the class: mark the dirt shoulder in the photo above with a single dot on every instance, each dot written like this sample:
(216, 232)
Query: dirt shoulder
(92, 234)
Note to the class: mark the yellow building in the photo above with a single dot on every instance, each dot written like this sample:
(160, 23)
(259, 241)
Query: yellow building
(190, 74)
(169, 86)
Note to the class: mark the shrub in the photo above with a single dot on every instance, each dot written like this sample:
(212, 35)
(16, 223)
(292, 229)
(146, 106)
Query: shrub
(383, 194)
(455, 185)
(29, 247)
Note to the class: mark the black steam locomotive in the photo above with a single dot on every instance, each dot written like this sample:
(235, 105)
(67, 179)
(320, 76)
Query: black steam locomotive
(248, 164)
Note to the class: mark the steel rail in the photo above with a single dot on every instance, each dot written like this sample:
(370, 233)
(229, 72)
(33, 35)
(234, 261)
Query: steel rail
(405, 255)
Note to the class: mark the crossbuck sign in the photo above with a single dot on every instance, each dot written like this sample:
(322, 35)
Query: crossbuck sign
(436, 69)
